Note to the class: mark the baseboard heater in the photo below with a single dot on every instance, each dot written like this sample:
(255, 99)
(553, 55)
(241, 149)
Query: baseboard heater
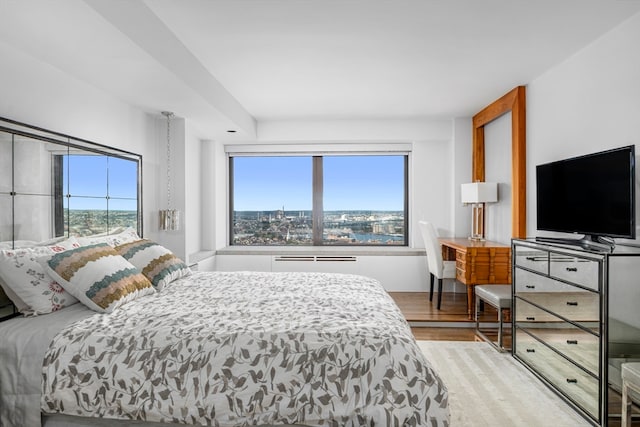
(314, 258)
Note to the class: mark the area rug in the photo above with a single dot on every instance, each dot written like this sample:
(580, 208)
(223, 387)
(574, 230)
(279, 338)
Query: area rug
(488, 388)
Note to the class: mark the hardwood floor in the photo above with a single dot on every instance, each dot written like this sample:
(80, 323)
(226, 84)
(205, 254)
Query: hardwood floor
(450, 323)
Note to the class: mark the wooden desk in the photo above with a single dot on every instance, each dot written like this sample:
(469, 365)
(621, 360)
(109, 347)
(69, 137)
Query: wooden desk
(477, 263)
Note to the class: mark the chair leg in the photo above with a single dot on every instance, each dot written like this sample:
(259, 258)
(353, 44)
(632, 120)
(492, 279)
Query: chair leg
(439, 293)
(477, 319)
(626, 406)
(431, 288)
(500, 329)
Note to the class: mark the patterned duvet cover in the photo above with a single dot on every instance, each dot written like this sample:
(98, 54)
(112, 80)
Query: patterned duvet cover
(245, 349)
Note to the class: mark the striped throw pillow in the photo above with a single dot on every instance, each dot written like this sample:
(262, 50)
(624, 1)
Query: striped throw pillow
(98, 276)
(156, 262)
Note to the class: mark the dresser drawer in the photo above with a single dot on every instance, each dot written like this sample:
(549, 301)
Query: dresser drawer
(526, 281)
(576, 270)
(572, 381)
(532, 259)
(577, 344)
(575, 306)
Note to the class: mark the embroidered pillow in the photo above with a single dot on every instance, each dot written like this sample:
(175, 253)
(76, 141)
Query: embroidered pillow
(156, 262)
(128, 235)
(27, 284)
(99, 277)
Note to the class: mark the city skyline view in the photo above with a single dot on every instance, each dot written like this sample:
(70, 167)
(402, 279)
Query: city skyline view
(344, 227)
(362, 196)
(363, 200)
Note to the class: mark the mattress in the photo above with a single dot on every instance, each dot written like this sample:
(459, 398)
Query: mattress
(231, 349)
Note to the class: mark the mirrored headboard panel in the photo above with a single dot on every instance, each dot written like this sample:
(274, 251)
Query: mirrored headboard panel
(54, 185)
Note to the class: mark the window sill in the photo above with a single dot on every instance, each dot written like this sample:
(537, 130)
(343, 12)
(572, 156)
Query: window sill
(321, 250)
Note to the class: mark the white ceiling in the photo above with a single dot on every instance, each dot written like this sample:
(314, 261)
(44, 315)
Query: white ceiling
(227, 64)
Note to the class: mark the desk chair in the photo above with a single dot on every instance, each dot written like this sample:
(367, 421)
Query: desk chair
(437, 267)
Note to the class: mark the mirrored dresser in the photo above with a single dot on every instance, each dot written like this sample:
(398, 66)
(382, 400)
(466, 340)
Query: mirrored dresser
(575, 320)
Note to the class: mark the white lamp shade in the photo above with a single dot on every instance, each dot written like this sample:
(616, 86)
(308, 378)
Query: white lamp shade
(479, 192)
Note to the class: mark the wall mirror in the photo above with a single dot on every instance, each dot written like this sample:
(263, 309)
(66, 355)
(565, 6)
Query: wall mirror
(54, 185)
(514, 102)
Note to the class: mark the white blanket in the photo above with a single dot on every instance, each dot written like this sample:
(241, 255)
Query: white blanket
(229, 349)
(23, 342)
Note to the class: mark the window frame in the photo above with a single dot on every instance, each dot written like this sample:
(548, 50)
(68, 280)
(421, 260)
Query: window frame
(316, 152)
(63, 194)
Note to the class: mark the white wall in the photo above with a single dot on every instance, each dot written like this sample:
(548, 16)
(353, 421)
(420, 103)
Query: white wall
(589, 103)
(36, 93)
(433, 162)
(208, 194)
(440, 162)
(193, 183)
(220, 173)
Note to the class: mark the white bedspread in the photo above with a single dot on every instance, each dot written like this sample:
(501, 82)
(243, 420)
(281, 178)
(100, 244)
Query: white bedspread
(230, 349)
(23, 342)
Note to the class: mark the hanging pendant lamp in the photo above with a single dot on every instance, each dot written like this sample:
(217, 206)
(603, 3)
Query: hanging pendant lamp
(169, 218)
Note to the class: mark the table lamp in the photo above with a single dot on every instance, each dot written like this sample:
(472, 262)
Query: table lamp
(477, 194)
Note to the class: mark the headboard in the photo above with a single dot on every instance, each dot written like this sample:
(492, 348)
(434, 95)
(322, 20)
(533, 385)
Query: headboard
(54, 185)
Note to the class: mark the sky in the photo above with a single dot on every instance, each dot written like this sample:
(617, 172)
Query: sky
(91, 178)
(350, 183)
(265, 183)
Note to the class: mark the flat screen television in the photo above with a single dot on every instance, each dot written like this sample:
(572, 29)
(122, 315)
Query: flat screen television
(592, 195)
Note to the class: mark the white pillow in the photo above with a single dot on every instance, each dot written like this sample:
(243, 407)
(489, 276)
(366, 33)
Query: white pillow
(27, 285)
(98, 276)
(128, 235)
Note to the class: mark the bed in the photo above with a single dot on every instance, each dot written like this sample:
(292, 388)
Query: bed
(116, 330)
(226, 349)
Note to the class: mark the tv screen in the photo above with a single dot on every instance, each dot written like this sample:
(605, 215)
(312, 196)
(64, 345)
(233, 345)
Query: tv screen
(592, 195)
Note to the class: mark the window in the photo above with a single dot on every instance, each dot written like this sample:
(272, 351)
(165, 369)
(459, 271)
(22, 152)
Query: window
(341, 199)
(94, 194)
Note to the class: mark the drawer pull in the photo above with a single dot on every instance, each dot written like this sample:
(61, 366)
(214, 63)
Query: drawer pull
(572, 381)
(531, 318)
(572, 341)
(574, 303)
(572, 268)
(530, 286)
(531, 350)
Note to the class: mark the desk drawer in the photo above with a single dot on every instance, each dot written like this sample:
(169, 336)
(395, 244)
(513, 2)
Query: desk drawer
(576, 384)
